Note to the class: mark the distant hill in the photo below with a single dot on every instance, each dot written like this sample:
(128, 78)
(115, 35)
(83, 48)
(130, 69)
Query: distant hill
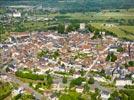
(73, 5)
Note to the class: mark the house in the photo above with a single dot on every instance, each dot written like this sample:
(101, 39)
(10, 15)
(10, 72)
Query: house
(18, 91)
(116, 72)
(41, 72)
(119, 72)
(123, 82)
(79, 89)
(131, 69)
(19, 36)
(16, 14)
(82, 26)
(85, 47)
(53, 97)
(132, 76)
(113, 49)
(99, 79)
(60, 69)
(105, 95)
(76, 75)
(4, 77)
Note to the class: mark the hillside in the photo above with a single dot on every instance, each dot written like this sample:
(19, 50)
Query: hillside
(73, 5)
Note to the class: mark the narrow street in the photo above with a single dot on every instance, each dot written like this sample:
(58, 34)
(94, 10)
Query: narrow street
(95, 61)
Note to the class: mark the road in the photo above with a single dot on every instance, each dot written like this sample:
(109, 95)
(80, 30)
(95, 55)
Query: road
(25, 85)
(95, 61)
(102, 88)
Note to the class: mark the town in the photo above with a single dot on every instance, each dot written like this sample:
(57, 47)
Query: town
(46, 63)
(71, 62)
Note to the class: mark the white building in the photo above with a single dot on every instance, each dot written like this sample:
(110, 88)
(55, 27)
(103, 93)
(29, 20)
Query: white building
(113, 49)
(79, 89)
(105, 95)
(16, 14)
(122, 82)
(18, 91)
(82, 26)
(99, 79)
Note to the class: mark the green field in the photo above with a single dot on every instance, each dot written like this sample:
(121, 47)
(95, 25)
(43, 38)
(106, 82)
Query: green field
(122, 19)
(117, 29)
(103, 15)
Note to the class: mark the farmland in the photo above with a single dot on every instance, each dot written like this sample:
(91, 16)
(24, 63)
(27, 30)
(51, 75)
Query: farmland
(122, 21)
(117, 29)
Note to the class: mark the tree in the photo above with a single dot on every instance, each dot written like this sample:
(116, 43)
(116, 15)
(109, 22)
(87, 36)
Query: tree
(111, 57)
(30, 83)
(49, 80)
(64, 80)
(78, 81)
(2, 30)
(29, 75)
(69, 28)
(56, 54)
(131, 63)
(82, 72)
(72, 27)
(114, 95)
(5, 90)
(86, 88)
(91, 81)
(71, 71)
(61, 28)
(42, 53)
(120, 49)
(91, 28)
(95, 96)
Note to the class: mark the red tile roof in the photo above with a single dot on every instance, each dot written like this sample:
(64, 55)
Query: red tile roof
(131, 69)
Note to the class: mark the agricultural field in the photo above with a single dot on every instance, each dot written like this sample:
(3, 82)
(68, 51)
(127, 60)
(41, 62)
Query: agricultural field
(122, 20)
(121, 31)
(92, 16)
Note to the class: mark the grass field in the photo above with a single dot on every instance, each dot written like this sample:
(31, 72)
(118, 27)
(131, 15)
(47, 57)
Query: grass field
(103, 15)
(117, 29)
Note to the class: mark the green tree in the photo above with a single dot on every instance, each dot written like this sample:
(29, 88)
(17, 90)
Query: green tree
(120, 49)
(131, 63)
(111, 57)
(82, 72)
(71, 71)
(78, 81)
(91, 81)
(61, 28)
(69, 28)
(49, 80)
(64, 80)
(86, 88)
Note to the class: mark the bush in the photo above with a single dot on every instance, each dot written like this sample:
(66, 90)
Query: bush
(77, 81)
(49, 80)
(64, 80)
(120, 49)
(111, 57)
(5, 90)
(29, 75)
(91, 81)
(131, 63)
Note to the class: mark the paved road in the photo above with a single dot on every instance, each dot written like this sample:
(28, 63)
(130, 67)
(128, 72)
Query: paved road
(95, 61)
(102, 88)
(25, 85)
